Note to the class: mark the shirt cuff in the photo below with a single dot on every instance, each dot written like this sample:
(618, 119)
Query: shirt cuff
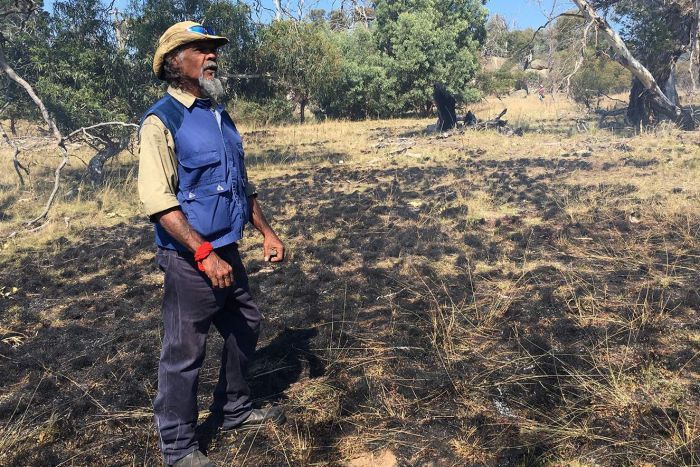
(159, 206)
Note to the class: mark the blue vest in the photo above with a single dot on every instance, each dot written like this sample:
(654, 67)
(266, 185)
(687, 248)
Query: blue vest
(210, 169)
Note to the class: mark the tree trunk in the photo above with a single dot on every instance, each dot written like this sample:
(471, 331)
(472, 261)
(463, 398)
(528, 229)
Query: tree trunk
(694, 62)
(302, 109)
(13, 127)
(278, 9)
(643, 109)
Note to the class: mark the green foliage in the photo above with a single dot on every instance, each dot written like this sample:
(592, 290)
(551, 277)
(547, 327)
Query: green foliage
(655, 31)
(80, 73)
(496, 83)
(269, 111)
(20, 32)
(362, 88)
(149, 19)
(301, 57)
(91, 67)
(429, 41)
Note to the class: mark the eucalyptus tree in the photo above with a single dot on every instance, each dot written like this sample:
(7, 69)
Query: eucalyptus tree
(428, 41)
(657, 34)
(301, 59)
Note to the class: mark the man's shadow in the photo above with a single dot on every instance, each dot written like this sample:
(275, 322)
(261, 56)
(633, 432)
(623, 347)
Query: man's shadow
(274, 369)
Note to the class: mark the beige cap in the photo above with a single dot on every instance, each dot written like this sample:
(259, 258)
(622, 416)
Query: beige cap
(180, 34)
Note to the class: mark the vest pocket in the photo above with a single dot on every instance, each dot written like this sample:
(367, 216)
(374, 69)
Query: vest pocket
(207, 208)
(200, 167)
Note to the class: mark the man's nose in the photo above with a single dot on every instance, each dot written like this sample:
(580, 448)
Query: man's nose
(211, 55)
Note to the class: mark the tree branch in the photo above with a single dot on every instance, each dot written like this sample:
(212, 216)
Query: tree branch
(544, 26)
(84, 129)
(580, 59)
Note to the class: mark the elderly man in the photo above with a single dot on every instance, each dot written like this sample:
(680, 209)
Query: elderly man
(194, 187)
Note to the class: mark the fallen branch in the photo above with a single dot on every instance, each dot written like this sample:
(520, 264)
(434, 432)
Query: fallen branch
(495, 122)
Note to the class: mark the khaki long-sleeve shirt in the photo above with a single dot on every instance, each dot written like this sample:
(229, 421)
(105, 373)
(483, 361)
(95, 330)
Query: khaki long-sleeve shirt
(158, 179)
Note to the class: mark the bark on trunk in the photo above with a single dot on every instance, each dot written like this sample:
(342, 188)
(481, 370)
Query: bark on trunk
(695, 46)
(643, 109)
(302, 109)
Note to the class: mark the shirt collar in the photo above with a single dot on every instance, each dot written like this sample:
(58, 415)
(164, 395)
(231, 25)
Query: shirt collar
(183, 97)
(188, 100)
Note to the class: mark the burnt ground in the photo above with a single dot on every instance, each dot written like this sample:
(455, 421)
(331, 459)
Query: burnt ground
(401, 321)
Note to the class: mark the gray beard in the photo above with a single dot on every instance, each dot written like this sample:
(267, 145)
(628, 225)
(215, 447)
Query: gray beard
(212, 88)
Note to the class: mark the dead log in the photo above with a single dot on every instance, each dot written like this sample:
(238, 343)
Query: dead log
(493, 123)
(471, 122)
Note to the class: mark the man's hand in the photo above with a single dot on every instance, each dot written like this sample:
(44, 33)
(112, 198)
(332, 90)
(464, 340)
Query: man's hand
(273, 248)
(219, 272)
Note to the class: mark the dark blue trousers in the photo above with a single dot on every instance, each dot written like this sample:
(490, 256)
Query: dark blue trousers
(190, 306)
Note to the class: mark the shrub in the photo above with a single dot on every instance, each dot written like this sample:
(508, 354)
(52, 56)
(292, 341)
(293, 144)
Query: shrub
(599, 76)
(270, 111)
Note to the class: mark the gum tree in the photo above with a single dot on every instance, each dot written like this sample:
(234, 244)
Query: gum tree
(428, 41)
(654, 36)
(301, 58)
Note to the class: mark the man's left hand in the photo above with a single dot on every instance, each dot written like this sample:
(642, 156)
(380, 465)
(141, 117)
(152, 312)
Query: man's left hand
(273, 249)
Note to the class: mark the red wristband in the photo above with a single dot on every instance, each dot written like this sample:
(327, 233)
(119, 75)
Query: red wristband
(202, 252)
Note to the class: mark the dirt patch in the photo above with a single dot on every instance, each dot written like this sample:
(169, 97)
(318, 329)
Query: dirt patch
(384, 458)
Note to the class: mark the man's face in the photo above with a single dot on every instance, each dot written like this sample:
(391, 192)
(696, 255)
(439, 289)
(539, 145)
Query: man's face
(198, 60)
(197, 64)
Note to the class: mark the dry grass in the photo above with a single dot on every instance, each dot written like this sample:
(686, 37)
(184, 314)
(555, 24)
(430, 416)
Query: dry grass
(475, 299)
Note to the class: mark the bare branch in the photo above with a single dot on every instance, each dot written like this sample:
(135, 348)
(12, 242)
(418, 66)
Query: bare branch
(544, 26)
(581, 58)
(84, 129)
